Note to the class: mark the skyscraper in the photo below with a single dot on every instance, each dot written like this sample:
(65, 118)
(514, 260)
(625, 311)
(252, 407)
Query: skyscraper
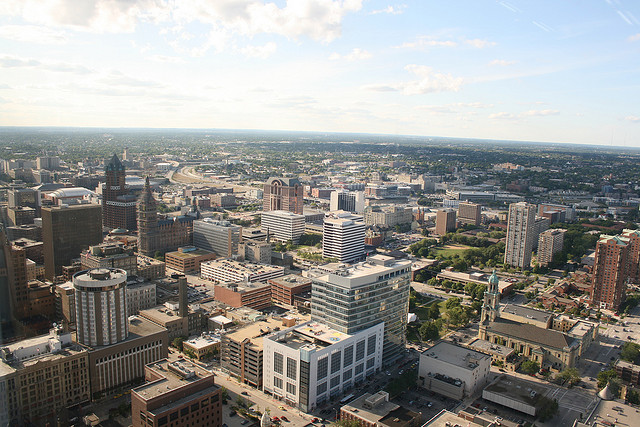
(358, 297)
(470, 213)
(283, 194)
(445, 221)
(283, 225)
(550, 242)
(101, 309)
(220, 237)
(350, 201)
(343, 236)
(520, 234)
(66, 231)
(118, 206)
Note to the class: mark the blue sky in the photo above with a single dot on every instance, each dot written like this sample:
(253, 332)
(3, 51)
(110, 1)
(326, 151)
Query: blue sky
(559, 71)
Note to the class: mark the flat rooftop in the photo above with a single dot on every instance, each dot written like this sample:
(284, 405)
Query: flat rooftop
(313, 334)
(175, 374)
(516, 389)
(447, 419)
(203, 341)
(373, 269)
(461, 357)
(371, 413)
(581, 328)
(290, 281)
(190, 254)
(491, 348)
(526, 312)
(159, 313)
(241, 267)
(255, 330)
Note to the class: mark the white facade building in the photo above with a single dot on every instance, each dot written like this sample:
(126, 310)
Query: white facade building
(521, 237)
(140, 296)
(225, 270)
(308, 364)
(220, 237)
(452, 370)
(350, 201)
(283, 225)
(343, 236)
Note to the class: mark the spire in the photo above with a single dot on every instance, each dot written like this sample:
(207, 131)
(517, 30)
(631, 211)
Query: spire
(493, 282)
(114, 164)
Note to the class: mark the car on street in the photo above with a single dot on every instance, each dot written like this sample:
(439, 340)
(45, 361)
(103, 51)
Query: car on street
(245, 393)
(283, 418)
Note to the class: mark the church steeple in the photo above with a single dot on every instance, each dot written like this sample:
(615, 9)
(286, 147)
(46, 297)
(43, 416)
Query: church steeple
(491, 306)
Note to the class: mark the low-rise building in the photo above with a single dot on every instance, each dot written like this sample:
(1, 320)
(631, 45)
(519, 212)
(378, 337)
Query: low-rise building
(188, 259)
(452, 370)
(110, 255)
(285, 288)
(257, 252)
(203, 346)
(150, 268)
(523, 396)
(241, 350)
(375, 410)
(175, 325)
(308, 364)
(252, 295)
(176, 393)
(140, 295)
(230, 271)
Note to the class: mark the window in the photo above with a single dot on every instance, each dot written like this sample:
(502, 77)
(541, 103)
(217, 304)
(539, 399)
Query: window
(277, 363)
(277, 382)
(292, 368)
(195, 406)
(346, 375)
(184, 411)
(321, 388)
(371, 345)
(173, 416)
(322, 367)
(359, 368)
(360, 350)
(335, 381)
(371, 362)
(162, 421)
(291, 388)
(348, 356)
(335, 361)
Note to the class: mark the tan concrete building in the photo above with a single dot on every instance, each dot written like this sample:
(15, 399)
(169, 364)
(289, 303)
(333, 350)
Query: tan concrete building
(41, 376)
(202, 346)
(550, 242)
(110, 255)
(188, 259)
(150, 268)
(252, 295)
(520, 235)
(470, 213)
(176, 393)
(445, 221)
(257, 252)
(375, 410)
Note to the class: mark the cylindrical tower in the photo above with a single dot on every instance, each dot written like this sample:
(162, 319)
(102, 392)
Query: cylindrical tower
(101, 311)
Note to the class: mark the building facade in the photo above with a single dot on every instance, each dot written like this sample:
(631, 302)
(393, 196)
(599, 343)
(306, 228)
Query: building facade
(283, 225)
(550, 243)
(110, 255)
(349, 201)
(445, 221)
(310, 363)
(283, 194)
(101, 306)
(118, 206)
(610, 271)
(66, 231)
(188, 259)
(343, 236)
(285, 288)
(220, 237)
(358, 297)
(520, 235)
(470, 213)
(229, 271)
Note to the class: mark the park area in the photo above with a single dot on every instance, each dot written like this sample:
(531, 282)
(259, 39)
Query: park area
(451, 250)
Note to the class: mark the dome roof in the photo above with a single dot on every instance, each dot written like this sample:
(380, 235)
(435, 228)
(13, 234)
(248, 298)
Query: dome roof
(71, 192)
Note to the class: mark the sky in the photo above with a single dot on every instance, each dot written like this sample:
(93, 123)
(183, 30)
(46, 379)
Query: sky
(535, 70)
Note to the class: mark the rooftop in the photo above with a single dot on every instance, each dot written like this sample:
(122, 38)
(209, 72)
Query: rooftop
(371, 407)
(310, 335)
(449, 419)
(290, 280)
(189, 253)
(160, 314)
(241, 267)
(174, 375)
(516, 389)
(203, 341)
(527, 312)
(461, 357)
(531, 333)
(491, 348)
(375, 268)
(258, 329)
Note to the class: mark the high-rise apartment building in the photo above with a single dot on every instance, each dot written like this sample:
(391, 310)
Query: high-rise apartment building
(350, 201)
(283, 194)
(66, 231)
(470, 213)
(283, 225)
(101, 306)
(220, 237)
(343, 236)
(358, 297)
(520, 234)
(550, 242)
(445, 221)
(540, 225)
(118, 206)
(612, 268)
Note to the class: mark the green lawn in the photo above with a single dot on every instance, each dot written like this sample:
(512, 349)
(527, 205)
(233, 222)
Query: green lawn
(449, 252)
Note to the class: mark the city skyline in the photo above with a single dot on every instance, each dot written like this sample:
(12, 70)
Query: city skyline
(503, 70)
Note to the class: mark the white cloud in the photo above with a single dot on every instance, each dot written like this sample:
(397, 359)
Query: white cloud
(428, 82)
(62, 67)
(391, 10)
(479, 43)
(259, 51)
(502, 115)
(356, 54)
(501, 62)
(427, 42)
(32, 34)
(634, 119)
(166, 58)
(634, 38)
(539, 113)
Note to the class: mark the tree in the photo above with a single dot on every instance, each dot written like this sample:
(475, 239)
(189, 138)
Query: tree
(224, 395)
(452, 302)
(570, 375)
(605, 377)
(347, 423)
(457, 316)
(530, 367)
(547, 408)
(434, 311)
(429, 331)
(630, 352)
(633, 396)
(177, 343)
